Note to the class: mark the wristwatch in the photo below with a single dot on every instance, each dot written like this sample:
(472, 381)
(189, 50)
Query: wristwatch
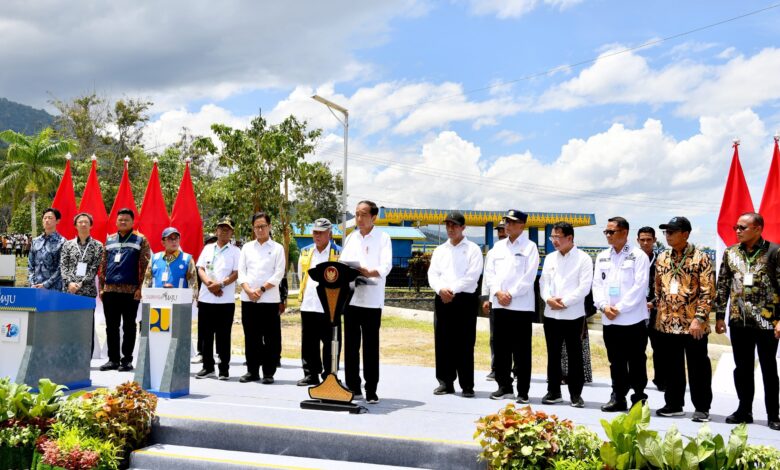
(262, 288)
(222, 285)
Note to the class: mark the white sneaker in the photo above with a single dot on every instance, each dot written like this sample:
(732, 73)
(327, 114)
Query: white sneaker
(197, 359)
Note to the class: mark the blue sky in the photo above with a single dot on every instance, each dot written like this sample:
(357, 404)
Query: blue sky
(442, 114)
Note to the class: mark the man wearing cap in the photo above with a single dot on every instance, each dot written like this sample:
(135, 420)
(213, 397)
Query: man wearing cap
(510, 272)
(566, 279)
(218, 272)
(453, 275)
(748, 291)
(620, 294)
(172, 268)
(488, 308)
(122, 271)
(684, 289)
(43, 265)
(371, 250)
(316, 329)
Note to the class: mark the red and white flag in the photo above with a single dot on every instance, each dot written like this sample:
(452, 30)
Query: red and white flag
(92, 203)
(770, 201)
(185, 216)
(154, 216)
(736, 201)
(65, 202)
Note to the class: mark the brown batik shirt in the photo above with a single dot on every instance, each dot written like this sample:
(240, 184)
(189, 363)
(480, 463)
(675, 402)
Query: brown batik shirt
(694, 277)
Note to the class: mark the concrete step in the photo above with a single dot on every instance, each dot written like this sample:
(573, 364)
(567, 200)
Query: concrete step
(314, 443)
(174, 457)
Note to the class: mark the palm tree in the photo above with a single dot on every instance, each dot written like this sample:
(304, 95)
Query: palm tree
(33, 163)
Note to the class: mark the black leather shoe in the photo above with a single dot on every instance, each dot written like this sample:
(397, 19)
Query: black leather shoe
(125, 368)
(249, 378)
(444, 390)
(109, 366)
(308, 380)
(739, 417)
(268, 380)
(468, 393)
(615, 404)
(552, 398)
(774, 424)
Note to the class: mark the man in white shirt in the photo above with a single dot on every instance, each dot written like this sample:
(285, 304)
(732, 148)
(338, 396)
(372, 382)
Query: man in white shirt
(453, 275)
(218, 271)
(620, 280)
(567, 276)
(371, 251)
(315, 324)
(488, 309)
(510, 272)
(260, 270)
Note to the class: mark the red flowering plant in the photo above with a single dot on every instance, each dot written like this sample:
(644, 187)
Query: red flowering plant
(71, 449)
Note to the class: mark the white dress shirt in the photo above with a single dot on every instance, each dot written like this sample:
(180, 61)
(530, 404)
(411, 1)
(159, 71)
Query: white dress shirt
(311, 301)
(621, 280)
(219, 263)
(373, 251)
(261, 264)
(512, 267)
(569, 277)
(455, 267)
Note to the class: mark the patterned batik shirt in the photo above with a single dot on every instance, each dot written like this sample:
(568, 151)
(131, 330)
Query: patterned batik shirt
(751, 306)
(43, 264)
(73, 253)
(692, 276)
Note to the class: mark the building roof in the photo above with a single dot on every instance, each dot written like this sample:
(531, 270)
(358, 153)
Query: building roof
(396, 233)
(396, 215)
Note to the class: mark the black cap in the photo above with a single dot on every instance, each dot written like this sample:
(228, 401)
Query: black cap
(677, 223)
(226, 221)
(456, 218)
(514, 214)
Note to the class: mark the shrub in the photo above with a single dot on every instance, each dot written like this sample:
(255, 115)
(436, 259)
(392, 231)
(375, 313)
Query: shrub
(759, 457)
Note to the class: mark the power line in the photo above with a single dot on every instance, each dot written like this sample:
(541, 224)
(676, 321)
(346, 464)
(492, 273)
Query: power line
(580, 63)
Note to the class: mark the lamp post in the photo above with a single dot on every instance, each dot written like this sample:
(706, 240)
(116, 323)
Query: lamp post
(331, 106)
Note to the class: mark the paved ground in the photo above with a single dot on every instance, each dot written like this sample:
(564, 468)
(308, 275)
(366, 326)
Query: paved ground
(407, 407)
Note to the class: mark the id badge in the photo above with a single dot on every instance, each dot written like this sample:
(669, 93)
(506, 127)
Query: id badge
(674, 287)
(117, 257)
(614, 291)
(81, 269)
(748, 280)
(165, 276)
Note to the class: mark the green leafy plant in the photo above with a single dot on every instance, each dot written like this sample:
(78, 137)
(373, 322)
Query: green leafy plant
(705, 452)
(759, 457)
(520, 438)
(592, 463)
(621, 451)
(71, 448)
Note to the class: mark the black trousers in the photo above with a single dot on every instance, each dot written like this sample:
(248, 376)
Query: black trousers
(262, 336)
(120, 309)
(660, 372)
(216, 321)
(492, 345)
(626, 346)
(557, 333)
(679, 348)
(744, 343)
(512, 338)
(361, 323)
(455, 332)
(317, 331)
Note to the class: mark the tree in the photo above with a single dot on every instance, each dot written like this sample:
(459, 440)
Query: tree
(318, 192)
(33, 165)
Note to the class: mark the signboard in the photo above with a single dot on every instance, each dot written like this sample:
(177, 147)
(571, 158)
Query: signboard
(10, 328)
(161, 303)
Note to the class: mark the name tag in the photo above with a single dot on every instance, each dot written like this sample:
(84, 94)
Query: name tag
(614, 291)
(81, 269)
(165, 276)
(117, 257)
(674, 287)
(747, 281)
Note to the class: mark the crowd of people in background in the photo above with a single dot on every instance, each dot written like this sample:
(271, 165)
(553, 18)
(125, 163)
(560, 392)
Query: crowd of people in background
(667, 298)
(15, 244)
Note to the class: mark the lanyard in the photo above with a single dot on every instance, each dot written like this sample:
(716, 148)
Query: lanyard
(119, 238)
(217, 252)
(750, 259)
(682, 262)
(86, 248)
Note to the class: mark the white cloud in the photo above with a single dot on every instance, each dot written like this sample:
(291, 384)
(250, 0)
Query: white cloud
(179, 51)
(166, 129)
(696, 88)
(505, 9)
(508, 137)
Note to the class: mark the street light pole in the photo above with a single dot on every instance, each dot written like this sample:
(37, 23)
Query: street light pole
(333, 106)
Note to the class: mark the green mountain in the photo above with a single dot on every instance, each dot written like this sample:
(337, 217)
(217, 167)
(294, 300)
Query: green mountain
(22, 118)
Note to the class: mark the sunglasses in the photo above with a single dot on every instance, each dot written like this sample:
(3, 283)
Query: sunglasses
(671, 232)
(741, 228)
(611, 232)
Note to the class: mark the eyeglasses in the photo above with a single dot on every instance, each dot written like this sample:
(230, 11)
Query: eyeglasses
(610, 232)
(261, 227)
(741, 228)
(670, 232)
(552, 238)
